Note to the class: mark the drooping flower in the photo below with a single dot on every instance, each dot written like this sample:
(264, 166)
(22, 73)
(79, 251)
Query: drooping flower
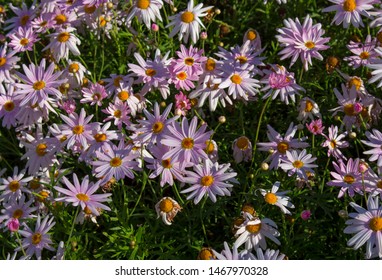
(167, 208)
(242, 149)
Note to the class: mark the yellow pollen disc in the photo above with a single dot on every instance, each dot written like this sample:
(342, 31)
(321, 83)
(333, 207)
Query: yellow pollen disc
(349, 179)
(41, 149)
(242, 59)
(102, 21)
(1, 9)
(310, 45)
(14, 186)
(24, 42)
(206, 254)
(236, 79)
(355, 81)
(87, 210)
(3, 60)
(17, 214)
(308, 106)
(36, 238)
(38, 85)
(100, 137)
(187, 17)
(150, 72)
(298, 164)
(349, 5)
(210, 64)
(189, 61)
(333, 144)
(143, 4)
(117, 114)
(209, 147)
(270, 198)
(253, 228)
(115, 162)
(117, 81)
(157, 127)
(73, 68)
(242, 143)
(166, 163)
(282, 147)
(63, 37)
(238, 221)
(24, 20)
(166, 205)
(249, 209)
(207, 180)
(251, 35)
(187, 143)
(78, 129)
(34, 184)
(364, 55)
(82, 197)
(89, 9)
(375, 224)
(43, 23)
(379, 184)
(123, 95)
(9, 106)
(349, 109)
(181, 76)
(379, 37)
(43, 196)
(63, 138)
(60, 19)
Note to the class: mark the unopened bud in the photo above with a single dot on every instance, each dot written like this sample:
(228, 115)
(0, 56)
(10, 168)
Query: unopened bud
(264, 166)
(343, 213)
(353, 135)
(217, 11)
(222, 119)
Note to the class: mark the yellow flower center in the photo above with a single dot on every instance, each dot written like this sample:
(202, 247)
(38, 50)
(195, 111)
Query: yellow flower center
(187, 143)
(115, 162)
(236, 79)
(150, 72)
(282, 147)
(78, 129)
(43, 196)
(63, 37)
(206, 254)
(210, 64)
(117, 81)
(100, 137)
(209, 147)
(379, 184)
(253, 228)
(349, 110)
(73, 68)
(123, 95)
(298, 164)
(379, 36)
(349, 179)
(270, 198)
(24, 42)
(9, 106)
(207, 180)
(349, 5)
(14, 186)
(308, 106)
(242, 59)
(189, 61)
(17, 214)
(24, 20)
(89, 9)
(63, 138)
(375, 224)
(38, 85)
(82, 197)
(187, 17)
(364, 55)
(157, 127)
(41, 149)
(166, 205)
(34, 184)
(242, 143)
(166, 163)
(102, 21)
(181, 76)
(310, 45)
(355, 81)
(36, 238)
(251, 35)
(3, 60)
(333, 144)
(143, 4)
(87, 210)
(60, 19)
(117, 114)
(248, 209)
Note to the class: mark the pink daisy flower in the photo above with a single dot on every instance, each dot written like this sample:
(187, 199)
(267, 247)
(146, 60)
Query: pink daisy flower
(189, 60)
(14, 186)
(364, 53)
(334, 143)
(7, 63)
(300, 163)
(375, 142)
(316, 127)
(23, 40)
(182, 104)
(83, 194)
(119, 112)
(302, 40)
(17, 209)
(23, 17)
(9, 106)
(63, 42)
(350, 11)
(94, 95)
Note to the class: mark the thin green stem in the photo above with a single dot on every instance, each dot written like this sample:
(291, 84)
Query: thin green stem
(20, 243)
(72, 228)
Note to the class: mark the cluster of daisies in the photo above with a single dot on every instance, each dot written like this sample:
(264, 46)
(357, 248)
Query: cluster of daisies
(59, 111)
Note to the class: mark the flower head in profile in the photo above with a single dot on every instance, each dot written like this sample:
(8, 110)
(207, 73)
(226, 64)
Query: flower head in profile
(302, 41)
(350, 11)
(167, 208)
(366, 224)
(308, 108)
(279, 199)
(242, 149)
(187, 23)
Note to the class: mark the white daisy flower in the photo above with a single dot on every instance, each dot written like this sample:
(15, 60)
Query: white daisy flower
(277, 198)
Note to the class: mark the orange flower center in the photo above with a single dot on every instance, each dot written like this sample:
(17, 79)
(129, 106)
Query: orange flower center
(3, 60)
(166, 205)
(38, 85)
(298, 164)
(150, 72)
(43, 196)
(82, 197)
(41, 149)
(251, 35)
(206, 254)
(143, 4)
(89, 9)
(78, 129)
(333, 144)
(375, 224)
(36, 238)
(34, 184)
(349, 5)
(24, 42)
(270, 198)
(117, 114)
(349, 179)
(187, 143)
(379, 184)
(115, 162)
(210, 64)
(60, 19)
(123, 95)
(236, 79)
(282, 147)
(207, 180)
(310, 45)
(100, 137)
(102, 21)
(242, 59)
(189, 61)
(349, 110)
(253, 228)
(73, 68)
(9, 106)
(309, 106)
(24, 20)
(17, 214)
(209, 147)
(14, 186)
(242, 143)
(364, 55)
(63, 37)
(187, 17)
(355, 81)
(166, 163)
(117, 81)
(157, 127)
(181, 76)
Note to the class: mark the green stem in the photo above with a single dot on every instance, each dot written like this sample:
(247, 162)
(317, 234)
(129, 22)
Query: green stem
(21, 245)
(72, 228)
(323, 177)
